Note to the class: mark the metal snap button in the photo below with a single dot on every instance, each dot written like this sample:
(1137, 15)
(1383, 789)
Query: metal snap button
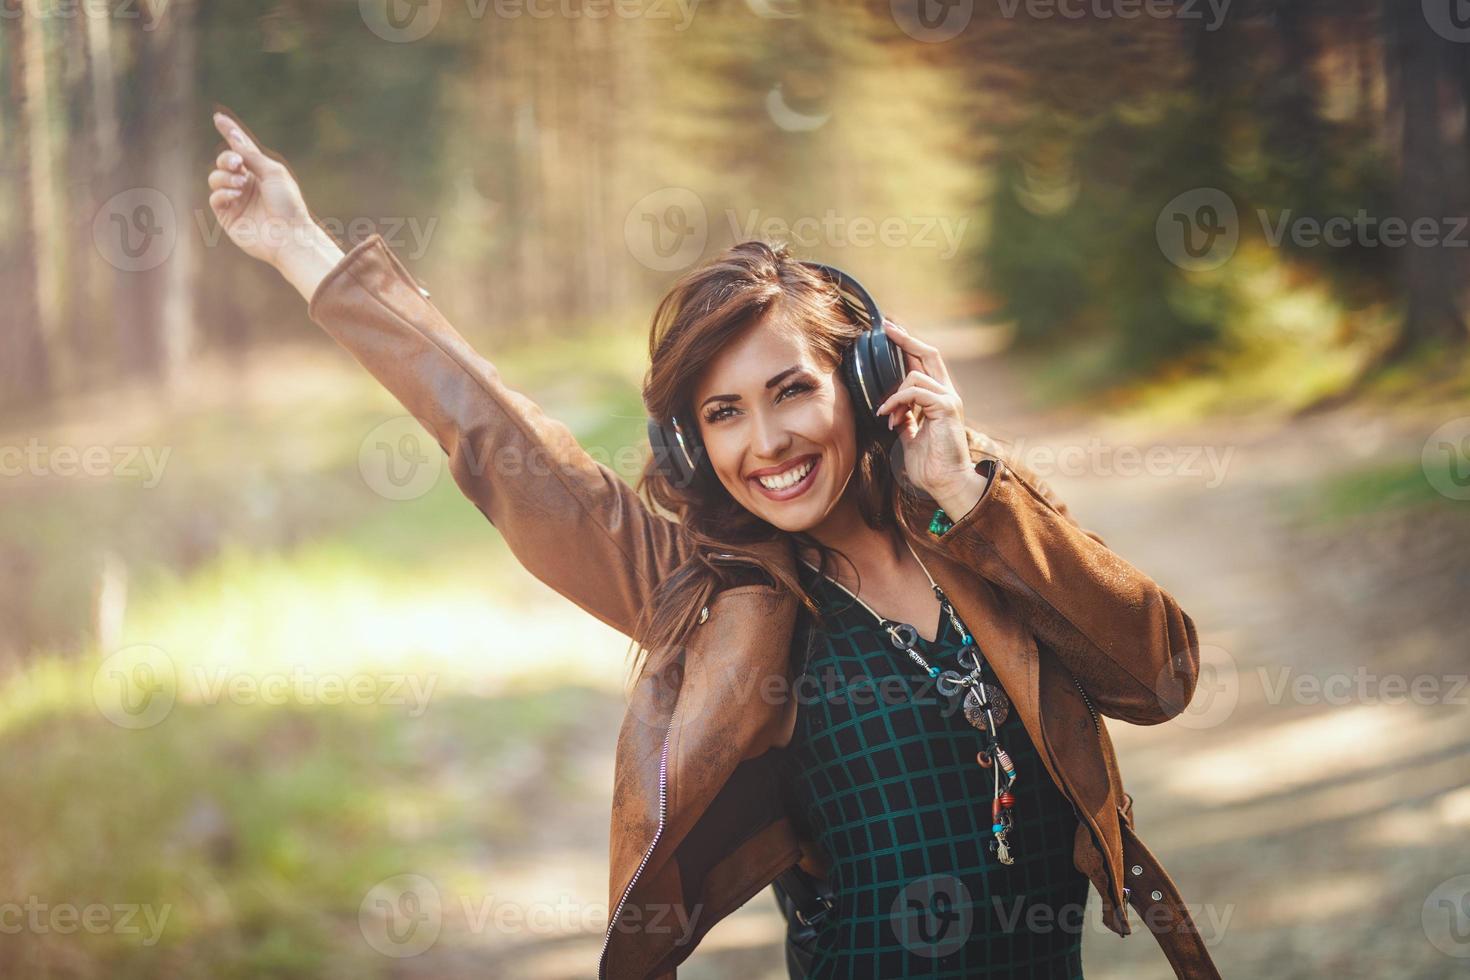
(1155, 895)
(1137, 869)
(704, 614)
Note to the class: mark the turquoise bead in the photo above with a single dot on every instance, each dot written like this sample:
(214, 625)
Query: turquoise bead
(933, 671)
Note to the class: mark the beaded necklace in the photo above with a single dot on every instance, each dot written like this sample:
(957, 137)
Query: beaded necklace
(985, 705)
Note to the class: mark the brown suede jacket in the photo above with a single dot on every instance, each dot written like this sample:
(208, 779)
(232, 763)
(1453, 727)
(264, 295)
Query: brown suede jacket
(1072, 631)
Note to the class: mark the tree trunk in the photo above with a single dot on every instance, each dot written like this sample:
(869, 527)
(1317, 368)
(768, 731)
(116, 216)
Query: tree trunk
(179, 180)
(1428, 99)
(45, 225)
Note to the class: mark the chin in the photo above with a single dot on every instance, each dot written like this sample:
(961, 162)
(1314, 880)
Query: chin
(791, 523)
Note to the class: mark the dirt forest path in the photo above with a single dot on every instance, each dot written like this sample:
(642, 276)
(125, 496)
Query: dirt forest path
(1313, 799)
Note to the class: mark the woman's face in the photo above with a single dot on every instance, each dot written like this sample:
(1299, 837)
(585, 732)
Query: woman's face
(778, 427)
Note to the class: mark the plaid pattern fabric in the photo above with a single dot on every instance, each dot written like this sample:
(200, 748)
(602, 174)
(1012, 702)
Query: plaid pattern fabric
(881, 772)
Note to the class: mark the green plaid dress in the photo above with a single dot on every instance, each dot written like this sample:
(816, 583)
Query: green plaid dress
(881, 773)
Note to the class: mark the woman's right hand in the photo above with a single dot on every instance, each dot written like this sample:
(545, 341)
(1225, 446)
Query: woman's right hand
(258, 203)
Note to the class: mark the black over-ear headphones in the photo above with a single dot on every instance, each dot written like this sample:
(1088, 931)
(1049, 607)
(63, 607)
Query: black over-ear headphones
(872, 368)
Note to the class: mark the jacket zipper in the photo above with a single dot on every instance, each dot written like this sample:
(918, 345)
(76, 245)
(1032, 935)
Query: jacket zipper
(1069, 794)
(663, 801)
(1096, 726)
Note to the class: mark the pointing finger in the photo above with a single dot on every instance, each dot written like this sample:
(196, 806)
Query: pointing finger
(242, 143)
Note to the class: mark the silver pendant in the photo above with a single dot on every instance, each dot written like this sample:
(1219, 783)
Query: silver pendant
(995, 700)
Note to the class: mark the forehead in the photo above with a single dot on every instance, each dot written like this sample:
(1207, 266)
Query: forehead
(751, 358)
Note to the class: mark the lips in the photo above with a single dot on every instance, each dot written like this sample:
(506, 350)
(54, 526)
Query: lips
(813, 461)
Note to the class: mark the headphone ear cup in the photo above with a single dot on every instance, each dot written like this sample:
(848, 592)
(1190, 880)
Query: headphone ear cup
(680, 459)
(871, 376)
(887, 362)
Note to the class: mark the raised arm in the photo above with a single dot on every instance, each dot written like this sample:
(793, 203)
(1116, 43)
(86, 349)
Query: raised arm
(570, 520)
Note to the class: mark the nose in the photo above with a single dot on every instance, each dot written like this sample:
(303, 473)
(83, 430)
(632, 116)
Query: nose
(771, 439)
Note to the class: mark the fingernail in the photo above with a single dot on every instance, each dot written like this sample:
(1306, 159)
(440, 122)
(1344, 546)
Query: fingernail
(238, 180)
(235, 134)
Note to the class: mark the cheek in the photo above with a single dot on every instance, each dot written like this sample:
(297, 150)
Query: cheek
(724, 454)
(841, 430)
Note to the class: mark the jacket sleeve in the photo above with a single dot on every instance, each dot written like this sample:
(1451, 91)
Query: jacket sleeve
(1128, 643)
(569, 519)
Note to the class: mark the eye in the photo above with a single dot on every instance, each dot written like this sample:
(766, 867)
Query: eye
(794, 386)
(717, 414)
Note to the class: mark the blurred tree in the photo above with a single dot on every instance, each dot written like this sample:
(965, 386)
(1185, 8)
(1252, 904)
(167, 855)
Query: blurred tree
(53, 366)
(1428, 103)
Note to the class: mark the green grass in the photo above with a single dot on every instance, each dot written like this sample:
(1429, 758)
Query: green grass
(253, 833)
(1368, 490)
(260, 827)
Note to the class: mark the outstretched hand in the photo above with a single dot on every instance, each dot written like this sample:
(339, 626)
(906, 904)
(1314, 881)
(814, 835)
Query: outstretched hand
(256, 198)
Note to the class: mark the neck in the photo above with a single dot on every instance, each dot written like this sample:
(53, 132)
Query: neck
(874, 552)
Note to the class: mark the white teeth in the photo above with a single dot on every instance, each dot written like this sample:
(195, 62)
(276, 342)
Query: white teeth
(791, 477)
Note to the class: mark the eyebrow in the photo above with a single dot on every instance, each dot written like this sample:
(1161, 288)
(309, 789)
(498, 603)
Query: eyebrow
(769, 384)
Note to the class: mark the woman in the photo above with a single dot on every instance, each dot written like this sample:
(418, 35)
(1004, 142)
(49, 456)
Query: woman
(958, 815)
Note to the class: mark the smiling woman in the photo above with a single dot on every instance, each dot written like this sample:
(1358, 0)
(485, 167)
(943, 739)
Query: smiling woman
(780, 369)
(811, 427)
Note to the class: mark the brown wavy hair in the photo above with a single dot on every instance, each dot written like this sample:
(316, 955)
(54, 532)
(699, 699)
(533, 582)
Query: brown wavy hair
(749, 283)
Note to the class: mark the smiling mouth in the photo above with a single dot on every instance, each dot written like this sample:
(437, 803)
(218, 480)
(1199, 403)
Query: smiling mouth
(789, 483)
